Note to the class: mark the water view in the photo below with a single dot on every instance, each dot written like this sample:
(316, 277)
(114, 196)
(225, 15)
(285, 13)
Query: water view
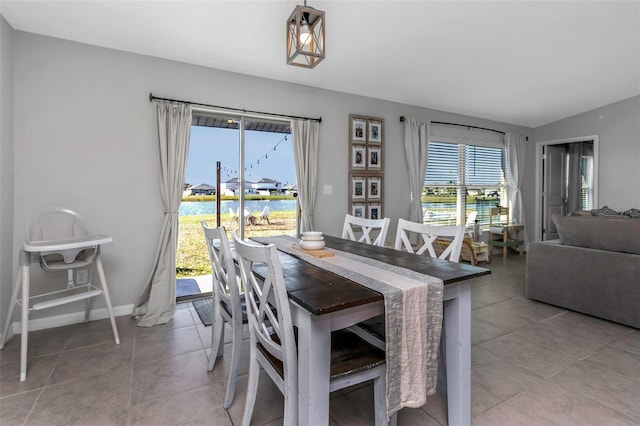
(445, 213)
(197, 208)
(434, 212)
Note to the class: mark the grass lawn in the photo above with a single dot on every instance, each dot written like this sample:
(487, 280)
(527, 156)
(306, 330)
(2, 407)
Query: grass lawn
(192, 258)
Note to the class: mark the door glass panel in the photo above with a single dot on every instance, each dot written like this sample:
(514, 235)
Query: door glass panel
(270, 205)
(269, 181)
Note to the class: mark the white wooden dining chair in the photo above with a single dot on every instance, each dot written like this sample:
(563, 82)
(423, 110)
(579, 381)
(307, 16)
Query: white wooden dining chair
(273, 343)
(432, 235)
(228, 305)
(361, 229)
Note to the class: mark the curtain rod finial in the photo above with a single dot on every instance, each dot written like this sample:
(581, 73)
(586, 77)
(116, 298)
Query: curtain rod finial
(402, 118)
(150, 96)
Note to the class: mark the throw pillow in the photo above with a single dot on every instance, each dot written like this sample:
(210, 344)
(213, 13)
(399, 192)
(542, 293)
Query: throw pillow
(605, 211)
(634, 213)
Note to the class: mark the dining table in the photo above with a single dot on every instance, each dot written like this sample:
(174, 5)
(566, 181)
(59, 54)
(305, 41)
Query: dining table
(322, 301)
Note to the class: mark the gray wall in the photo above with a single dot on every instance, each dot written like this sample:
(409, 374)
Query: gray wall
(86, 132)
(618, 128)
(6, 166)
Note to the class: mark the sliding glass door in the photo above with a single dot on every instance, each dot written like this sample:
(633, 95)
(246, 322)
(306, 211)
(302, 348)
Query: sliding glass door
(256, 190)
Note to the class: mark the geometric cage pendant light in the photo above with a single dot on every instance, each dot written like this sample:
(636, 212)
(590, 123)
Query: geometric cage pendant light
(305, 37)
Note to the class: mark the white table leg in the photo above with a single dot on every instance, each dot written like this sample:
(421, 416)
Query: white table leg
(505, 240)
(457, 316)
(314, 363)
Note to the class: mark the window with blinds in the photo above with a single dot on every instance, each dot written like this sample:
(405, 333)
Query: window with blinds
(586, 180)
(462, 178)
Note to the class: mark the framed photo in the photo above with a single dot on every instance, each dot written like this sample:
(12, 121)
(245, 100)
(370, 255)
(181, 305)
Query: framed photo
(375, 131)
(375, 210)
(358, 210)
(358, 188)
(358, 157)
(374, 188)
(358, 129)
(374, 158)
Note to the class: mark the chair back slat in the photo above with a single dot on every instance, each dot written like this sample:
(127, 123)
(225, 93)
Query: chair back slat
(430, 234)
(367, 229)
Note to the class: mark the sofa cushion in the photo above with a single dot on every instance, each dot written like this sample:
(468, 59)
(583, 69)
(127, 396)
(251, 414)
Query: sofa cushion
(621, 234)
(581, 213)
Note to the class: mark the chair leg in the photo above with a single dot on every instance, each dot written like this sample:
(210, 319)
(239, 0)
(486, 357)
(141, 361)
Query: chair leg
(232, 381)
(217, 336)
(14, 298)
(24, 336)
(107, 299)
(252, 387)
(504, 242)
(87, 303)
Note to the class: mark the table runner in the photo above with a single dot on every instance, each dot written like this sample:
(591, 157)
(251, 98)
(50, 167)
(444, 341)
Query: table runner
(412, 338)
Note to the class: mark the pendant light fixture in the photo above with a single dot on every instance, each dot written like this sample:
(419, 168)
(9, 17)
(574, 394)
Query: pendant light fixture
(305, 37)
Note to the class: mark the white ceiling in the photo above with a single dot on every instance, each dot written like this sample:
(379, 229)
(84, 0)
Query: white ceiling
(526, 63)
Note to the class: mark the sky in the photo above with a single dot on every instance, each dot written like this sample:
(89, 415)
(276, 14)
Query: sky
(210, 144)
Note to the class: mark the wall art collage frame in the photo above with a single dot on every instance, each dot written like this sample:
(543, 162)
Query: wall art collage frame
(366, 166)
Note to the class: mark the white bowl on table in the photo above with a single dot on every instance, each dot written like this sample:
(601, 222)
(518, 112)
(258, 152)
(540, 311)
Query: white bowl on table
(317, 244)
(312, 236)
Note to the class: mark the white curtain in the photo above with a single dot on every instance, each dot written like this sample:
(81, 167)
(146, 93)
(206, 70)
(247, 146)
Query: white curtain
(305, 151)
(416, 147)
(157, 301)
(516, 155)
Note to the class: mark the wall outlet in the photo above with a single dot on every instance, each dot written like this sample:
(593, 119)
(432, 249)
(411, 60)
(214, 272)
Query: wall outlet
(82, 276)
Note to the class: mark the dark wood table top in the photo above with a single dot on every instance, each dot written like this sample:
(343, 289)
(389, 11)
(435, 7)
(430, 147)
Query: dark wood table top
(322, 292)
(448, 272)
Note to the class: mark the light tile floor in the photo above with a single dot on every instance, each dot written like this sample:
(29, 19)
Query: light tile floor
(532, 364)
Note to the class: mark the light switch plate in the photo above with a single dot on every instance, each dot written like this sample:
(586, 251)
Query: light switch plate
(328, 190)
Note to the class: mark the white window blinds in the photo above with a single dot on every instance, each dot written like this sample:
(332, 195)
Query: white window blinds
(442, 165)
(484, 166)
(466, 171)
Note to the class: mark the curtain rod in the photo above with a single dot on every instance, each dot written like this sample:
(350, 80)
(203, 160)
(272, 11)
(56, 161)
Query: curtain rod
(403, 118)
(152, 98)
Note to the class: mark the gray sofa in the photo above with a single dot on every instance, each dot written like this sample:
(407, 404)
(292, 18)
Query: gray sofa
(594, 267)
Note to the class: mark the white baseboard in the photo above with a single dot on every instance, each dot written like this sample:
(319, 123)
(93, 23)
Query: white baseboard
(68, 319)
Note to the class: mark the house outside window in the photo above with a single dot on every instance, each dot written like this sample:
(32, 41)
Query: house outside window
(461, 178)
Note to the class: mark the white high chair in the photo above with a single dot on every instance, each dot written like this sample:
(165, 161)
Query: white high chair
(58, 240)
